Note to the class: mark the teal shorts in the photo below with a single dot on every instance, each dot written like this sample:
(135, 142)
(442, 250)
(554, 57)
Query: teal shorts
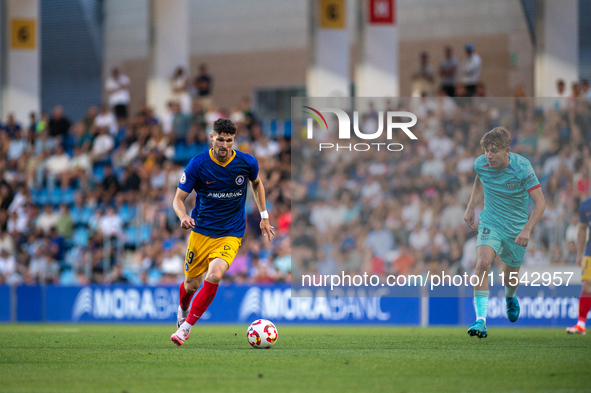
(512, 254)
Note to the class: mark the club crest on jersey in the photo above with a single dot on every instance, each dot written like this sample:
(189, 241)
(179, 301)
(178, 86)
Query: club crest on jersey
(183, 178)
(240, 180)
(511, 185)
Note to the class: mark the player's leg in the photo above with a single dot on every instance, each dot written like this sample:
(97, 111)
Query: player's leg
(195, 266)
(511, 275)
(186, 291)
(220, 254)
(512, 256)
(196, 263)
(584, 299)
(486, 253)
(217, 269)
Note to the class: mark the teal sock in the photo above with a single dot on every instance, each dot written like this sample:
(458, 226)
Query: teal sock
(481, 304)
(510, 292)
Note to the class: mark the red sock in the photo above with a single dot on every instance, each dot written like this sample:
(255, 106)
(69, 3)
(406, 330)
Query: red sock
(584, 305)
(184, 297)
(202, 301)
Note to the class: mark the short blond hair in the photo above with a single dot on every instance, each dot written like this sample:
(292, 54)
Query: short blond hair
(498, 137)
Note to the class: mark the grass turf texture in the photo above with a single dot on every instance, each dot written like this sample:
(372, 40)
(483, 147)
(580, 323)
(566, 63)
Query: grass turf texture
(116, 358)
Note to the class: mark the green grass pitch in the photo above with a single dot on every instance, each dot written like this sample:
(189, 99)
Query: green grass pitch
(125, 358)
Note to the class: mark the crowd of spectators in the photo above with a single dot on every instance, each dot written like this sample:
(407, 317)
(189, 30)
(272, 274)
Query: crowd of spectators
(385, 212)
(456, 79)
(90, 200)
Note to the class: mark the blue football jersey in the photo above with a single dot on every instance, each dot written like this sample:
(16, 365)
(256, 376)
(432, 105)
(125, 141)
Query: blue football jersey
(585, 218)
(506, 193)
(221, 192)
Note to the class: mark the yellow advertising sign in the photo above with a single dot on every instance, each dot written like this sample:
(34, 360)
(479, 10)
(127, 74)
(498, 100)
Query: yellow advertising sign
(23, 34)
(332, 14)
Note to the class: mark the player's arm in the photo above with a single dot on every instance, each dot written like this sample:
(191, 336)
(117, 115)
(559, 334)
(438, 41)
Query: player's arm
(581, 240)
(258, 190)
(178, 204)
(474, 197)
(539, 206)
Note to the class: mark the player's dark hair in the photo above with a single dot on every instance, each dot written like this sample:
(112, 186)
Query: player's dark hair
(498, 136)
(224, 126)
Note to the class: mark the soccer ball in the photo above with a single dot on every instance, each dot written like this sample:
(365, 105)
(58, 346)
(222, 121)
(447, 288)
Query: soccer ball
(261, 334)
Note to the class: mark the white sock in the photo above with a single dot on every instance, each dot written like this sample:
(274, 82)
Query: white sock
(581, 324)
(185, 325)
(483, 318)
(184, 313)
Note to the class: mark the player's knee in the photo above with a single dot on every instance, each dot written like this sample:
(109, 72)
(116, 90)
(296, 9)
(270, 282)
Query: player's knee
(214, 277)
(483, 264)
(191, 285)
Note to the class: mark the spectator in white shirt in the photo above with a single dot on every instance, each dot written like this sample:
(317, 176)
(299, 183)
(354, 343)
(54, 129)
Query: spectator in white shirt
(6, 242)
(470, 71)
(111, 224)
(55, 165)
(47, 219)
(106, 119)
(7, 265)
(102, 145)
(117, 87)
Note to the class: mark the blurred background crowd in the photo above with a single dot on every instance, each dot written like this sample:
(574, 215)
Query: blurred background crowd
(384, 212)
(90, 200)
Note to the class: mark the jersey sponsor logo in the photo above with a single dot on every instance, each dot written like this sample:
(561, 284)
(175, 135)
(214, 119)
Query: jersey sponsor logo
(209, 182)
(240, 180)
(183, 178)
(529, 180)
(224, 195)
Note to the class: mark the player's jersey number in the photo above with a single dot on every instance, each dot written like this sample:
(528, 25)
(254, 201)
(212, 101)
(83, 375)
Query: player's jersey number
(189, 259)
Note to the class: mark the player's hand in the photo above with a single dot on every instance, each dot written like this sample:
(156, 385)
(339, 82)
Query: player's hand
(523, 238)
(469, 217)
(579, 260)
(187, 223)
(266, 228)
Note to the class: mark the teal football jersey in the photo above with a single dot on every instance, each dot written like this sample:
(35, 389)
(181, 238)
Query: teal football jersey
(506, 193)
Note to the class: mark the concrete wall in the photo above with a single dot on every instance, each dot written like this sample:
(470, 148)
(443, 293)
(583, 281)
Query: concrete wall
(126, 44)
(256, 43)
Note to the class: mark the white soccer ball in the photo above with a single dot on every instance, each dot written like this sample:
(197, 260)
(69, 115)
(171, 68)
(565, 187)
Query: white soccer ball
(261, 334)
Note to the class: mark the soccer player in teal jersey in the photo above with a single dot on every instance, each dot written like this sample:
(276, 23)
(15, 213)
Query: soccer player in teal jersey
(507, 181)
(583, 260)
(219, 177)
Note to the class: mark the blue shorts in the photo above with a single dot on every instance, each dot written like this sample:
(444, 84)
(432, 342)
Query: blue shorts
(512, 254)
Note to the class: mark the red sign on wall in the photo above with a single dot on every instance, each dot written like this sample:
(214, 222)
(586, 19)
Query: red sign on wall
(382, 12)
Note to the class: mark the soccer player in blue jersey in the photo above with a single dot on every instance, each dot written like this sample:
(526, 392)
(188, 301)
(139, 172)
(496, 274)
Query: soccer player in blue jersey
(507, 181)
(583, 260)
(217, 222)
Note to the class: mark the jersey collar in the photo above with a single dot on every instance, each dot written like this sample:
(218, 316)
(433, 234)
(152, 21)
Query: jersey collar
(222, 163)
